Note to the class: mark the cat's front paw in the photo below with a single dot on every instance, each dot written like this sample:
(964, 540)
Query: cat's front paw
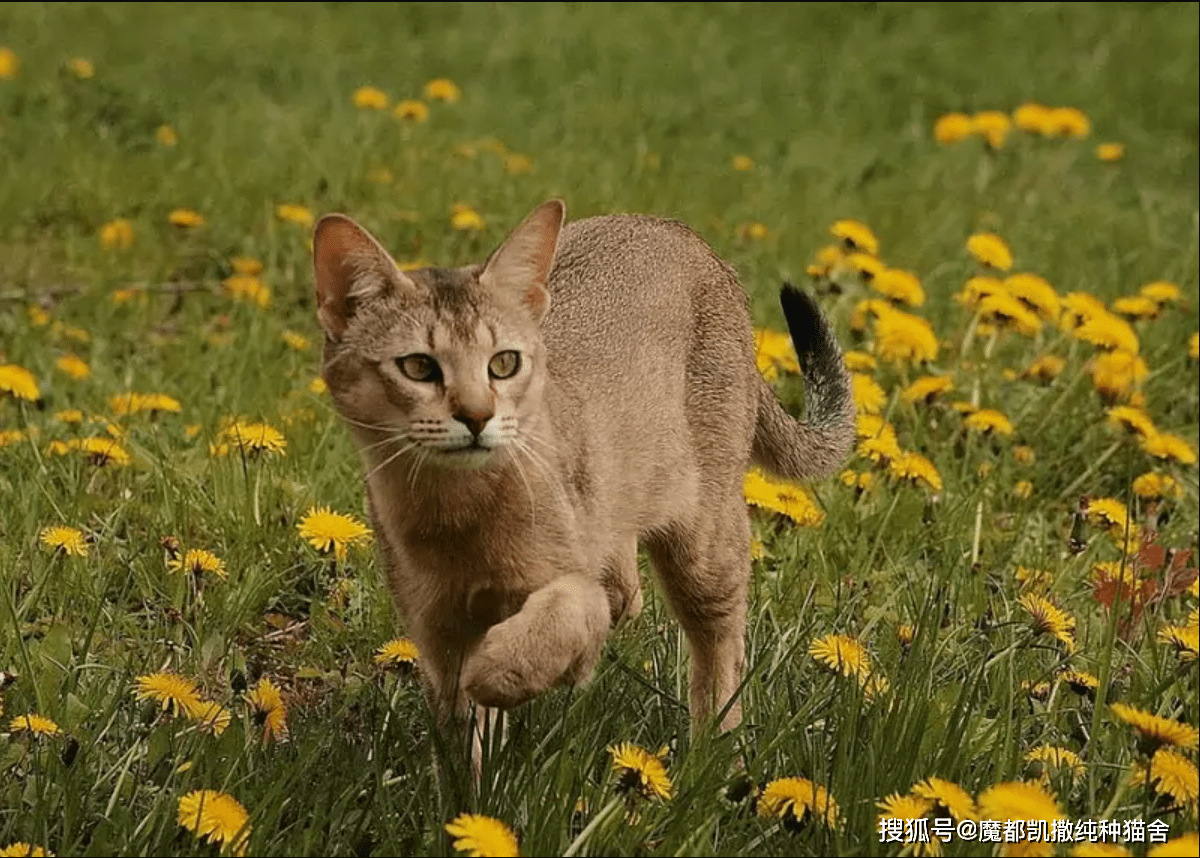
(505, 671)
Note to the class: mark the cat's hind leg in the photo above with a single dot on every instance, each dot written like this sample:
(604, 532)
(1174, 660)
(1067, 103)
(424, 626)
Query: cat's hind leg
(556, 638)
(704, 568)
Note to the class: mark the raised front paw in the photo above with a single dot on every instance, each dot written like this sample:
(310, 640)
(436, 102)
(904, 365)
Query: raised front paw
(509, 669)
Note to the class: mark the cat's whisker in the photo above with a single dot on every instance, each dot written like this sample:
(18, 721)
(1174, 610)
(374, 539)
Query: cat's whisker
(390, 459)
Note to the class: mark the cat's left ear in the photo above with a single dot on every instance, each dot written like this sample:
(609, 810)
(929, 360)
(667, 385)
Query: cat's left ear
(521, 266)
(349, 265)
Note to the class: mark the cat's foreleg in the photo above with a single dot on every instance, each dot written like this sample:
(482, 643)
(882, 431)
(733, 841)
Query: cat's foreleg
(556, 638)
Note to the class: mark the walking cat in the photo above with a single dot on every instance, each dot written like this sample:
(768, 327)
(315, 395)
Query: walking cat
(524, 423)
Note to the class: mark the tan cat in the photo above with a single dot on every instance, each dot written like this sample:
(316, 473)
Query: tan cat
(524, 423)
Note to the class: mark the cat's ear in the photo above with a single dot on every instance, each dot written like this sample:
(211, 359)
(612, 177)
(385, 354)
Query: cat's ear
(522, 264)
(349, 264)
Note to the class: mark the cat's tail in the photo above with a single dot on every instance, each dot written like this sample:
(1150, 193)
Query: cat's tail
(817, 446)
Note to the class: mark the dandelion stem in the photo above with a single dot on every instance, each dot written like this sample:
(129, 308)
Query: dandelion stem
(978, 531)
(1091, 468)
(603, 816)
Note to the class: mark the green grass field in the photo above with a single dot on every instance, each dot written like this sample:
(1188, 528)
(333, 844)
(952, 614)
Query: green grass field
(987, 618)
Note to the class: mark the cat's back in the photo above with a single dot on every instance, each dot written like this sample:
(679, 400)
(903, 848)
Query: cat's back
(631, 282)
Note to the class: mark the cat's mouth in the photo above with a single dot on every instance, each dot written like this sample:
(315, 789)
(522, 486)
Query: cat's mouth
(473, 455)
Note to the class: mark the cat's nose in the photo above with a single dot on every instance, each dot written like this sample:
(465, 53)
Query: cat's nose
(474, 419)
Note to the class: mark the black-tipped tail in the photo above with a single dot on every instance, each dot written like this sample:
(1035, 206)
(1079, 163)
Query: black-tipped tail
(818, 445)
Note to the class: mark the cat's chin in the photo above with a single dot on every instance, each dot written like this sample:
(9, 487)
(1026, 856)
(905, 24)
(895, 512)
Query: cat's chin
(465, 458)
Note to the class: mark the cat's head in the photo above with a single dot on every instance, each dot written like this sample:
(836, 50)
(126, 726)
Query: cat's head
(446, 364)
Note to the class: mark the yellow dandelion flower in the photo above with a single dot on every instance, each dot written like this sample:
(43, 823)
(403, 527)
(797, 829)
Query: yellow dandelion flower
(216, 817)
(899, 285)
(880, 448)
(64, 540)
(175, 693)
(211, 717)
(990, 250)
(269, 710)
(1023, 489)
(463, 217)
(992, 125)
(1110, 153)
(21, 849)
(1161, 292)
(1035, 293)
(81, 68)
(369, 98)
(989, 421)
(1132, 420)
(639, 770)
(73, 365)
(246, 265)
(34, 725)
(411, 110)
(1078, 307)
(517, 165)
(1004, 310)
(482, 836)
(249, 438)
(1155, 731)
(863, 264)
(1080, 681)
(855, 235)
(952, 128)
(793, 799)
(1046, 757)
(116, 234)
(896, 806)
(9, 437)
(99, 450)
(185, 218)
(1170, 774)
(18, 382)
(1018, 800)
(857, 361)
(927, 388)
(904, 338)
(318, 386)
(9, 63)
(296, 341)
(294, 213)
(868, 310)
(166, 135)
(249, 288)
(918, 469)
(442, 89)
(752, 231)
(1037, 580)
(782, 497)
(1151, 485)
(857, 480)
(1136, 307)
(1163, 445)
(327, 531)
(199, 562)
(977, 288)
(842, 654)
(1033, 118)
(1045, 369)
(743, 163)
(1046, 618)
(131, 403)
(1109, 331)
(1107, 512)
(869, 397)
(948, 798)
(1115, 374)
(1069, 122)
(397, 652)
(1185, 639)
(828, 257)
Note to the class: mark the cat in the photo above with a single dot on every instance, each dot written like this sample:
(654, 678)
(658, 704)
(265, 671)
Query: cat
(524, 423)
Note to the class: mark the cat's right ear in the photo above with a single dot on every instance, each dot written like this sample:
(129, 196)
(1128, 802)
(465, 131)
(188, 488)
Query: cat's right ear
(349, 264)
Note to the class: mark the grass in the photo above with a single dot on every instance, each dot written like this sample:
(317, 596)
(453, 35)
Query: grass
(616, 108)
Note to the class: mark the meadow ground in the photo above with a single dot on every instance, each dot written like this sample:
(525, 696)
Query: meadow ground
(992, 615)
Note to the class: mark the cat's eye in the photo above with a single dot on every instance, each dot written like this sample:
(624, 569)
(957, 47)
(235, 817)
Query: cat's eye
(504, 364)
(418, 367)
